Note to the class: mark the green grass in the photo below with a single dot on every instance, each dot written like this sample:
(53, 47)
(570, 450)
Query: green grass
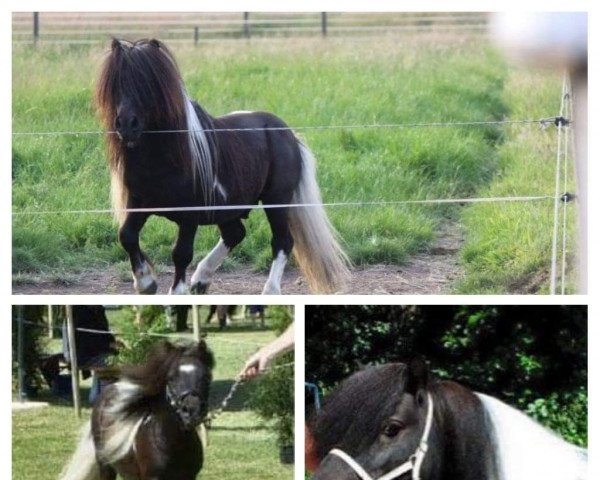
(306, 82)
(508, 245)
(241, 446)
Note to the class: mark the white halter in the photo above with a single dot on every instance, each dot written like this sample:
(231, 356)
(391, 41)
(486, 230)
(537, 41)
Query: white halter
(413, 463)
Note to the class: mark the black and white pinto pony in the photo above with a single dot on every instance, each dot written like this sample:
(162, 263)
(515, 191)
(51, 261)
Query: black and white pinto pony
(166, 152)
(395, 422)
(145, 426)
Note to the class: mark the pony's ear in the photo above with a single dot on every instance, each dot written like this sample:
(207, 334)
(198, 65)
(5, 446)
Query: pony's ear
(116, 44)
(155, 43)
(417, 375)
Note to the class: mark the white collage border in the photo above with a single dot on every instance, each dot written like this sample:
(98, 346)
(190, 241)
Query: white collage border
(592, 299)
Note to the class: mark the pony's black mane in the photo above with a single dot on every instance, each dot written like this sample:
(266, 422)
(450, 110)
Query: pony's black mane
(152, 376)
(370, 394)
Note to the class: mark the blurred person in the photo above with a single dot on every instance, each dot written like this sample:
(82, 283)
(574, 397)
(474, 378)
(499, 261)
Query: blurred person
(263, 359)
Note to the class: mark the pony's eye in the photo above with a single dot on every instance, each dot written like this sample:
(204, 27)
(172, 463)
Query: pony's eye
(392, 429)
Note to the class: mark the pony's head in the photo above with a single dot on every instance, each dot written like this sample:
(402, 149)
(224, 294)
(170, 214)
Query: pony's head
(376, 423)
(188, 384)
(140, 92)
(180, 374)
(140, 88)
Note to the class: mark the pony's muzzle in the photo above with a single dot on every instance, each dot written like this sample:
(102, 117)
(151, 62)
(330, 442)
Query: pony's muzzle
(129, 129)
(192, 410)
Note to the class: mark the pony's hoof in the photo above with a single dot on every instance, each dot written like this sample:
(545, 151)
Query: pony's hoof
(199, 288)
(150, 289)
(271, 290)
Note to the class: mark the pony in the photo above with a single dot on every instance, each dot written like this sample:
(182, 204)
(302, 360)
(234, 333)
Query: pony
(165, 151)
(144, 426)
(395, 421)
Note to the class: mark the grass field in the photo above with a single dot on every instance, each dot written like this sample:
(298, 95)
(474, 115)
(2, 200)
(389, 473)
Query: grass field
(313, 82)
(241, 445)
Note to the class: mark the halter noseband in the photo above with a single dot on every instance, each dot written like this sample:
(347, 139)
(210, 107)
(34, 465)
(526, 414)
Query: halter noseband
(174, 400)
(413, 463)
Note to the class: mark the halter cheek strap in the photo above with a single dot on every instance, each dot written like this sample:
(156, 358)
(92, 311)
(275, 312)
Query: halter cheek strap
(414, 462)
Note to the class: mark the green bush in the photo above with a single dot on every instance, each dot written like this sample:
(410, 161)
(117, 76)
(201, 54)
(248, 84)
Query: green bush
(137, 339)
(273, 397)
(564, 412)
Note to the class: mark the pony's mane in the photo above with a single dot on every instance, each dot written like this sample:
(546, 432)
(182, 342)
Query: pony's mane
(146, 73)
(368, 394)
(526, 450)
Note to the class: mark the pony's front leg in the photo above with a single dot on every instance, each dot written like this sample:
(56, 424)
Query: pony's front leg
(144, 280)
(232, 233)
(182, 255)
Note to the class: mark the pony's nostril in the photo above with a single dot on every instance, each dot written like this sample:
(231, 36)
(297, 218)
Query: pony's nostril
(118, 123)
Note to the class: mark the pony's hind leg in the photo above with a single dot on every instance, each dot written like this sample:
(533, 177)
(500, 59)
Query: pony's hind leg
(232, 233)
(182, 254)
(281, 245)
(144, 280)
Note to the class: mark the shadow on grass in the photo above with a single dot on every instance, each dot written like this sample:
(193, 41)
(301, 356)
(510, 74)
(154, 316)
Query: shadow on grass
(254, 428)
(65, 400)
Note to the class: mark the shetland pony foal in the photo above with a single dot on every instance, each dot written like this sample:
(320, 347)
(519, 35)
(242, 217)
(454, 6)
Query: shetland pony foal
(165, 151)
(143, 427)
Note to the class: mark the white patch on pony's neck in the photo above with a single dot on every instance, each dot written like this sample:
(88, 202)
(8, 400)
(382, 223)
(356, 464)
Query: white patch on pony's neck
(200, 150)
(526, 450)
(187, 368)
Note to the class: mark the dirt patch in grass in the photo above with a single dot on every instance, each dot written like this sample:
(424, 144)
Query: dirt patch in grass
(428, 273)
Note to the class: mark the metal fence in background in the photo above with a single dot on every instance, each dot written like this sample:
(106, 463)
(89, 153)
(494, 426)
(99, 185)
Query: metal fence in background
(94, 28)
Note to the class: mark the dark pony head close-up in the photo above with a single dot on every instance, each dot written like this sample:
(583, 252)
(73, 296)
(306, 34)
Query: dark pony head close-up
(148, 419)
(396, 421)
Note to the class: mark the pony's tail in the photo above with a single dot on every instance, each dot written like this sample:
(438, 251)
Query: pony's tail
(83, 464)
(316, 248)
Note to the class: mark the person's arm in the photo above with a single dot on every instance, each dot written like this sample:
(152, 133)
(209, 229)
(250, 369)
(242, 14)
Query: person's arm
(261, 360)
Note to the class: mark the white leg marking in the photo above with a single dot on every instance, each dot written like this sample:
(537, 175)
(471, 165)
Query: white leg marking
(273, 285)
(180, 289)
(209, 264)
(143, 278)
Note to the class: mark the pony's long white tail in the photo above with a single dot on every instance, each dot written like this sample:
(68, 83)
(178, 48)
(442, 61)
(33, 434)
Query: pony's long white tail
(83, 465)
(316, 248)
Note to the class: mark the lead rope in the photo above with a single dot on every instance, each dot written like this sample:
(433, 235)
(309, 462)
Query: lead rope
(223, 405)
